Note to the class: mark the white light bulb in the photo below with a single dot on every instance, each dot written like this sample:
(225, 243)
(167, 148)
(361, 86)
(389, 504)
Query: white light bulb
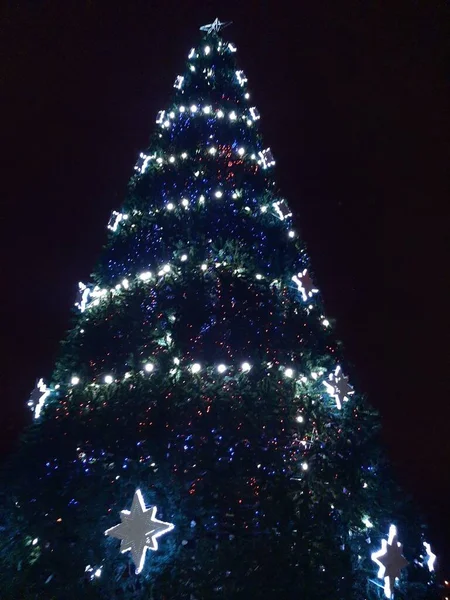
(195, 368)
(172, 159)
(258, 276)
(108, 379)
(127, 375)
(176, 361)
(172, 114)
(166, 268)
(75, 380)
(170, 206)
(291, 234)
(246, 367)
(125, 283)
(201, 199)
(35, 541)
(232, 116)
(185, 202)
(203, 267)
(299, 419)
(183, 257)
(148, 367)
(221, 368)
(263, 209)
(212, 150)
(145, 276)
(246, 95)
(305, 466)
(206, 110)
(289, 372)
(192, 68)
(207, 49)
(98, 572)
(249, 122)
(220, 114)
(182, 109)
(159, 160)
(184, 155)
(241, 151)
(326, 323)
(218, 194)
(193, 108)
(166, 123)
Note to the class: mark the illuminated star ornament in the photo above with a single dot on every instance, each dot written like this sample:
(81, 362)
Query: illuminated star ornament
(338, 387)
(305, 284)
(38, 397)
(390, 560)
(216, 26)
(431, 557)
(139, 530)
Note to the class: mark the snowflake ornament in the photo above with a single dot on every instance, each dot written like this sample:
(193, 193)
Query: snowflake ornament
(390, 560)
(139, 530)
(338, 387)
(305, 284)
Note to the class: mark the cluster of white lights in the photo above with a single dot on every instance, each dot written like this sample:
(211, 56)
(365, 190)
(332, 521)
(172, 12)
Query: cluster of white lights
(165, 119)
(41, 392)
(265, 160)
(93, 572)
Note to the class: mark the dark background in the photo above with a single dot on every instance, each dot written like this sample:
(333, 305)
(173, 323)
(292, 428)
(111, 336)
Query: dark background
(354, 103)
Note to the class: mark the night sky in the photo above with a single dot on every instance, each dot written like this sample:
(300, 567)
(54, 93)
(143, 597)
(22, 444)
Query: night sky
(354, 104)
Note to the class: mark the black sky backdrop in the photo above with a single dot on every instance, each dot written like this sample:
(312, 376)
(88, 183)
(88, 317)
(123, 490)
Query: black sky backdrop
(354, 104)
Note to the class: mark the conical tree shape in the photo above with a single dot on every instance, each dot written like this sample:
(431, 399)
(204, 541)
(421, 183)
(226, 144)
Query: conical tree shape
(202, 372)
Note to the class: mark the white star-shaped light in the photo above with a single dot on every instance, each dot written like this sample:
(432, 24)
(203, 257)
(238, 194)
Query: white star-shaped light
(216, 26)
(305, 284)
(338, 387)
(431, 557)
(390, 560)
(139, 530)
(38, 397)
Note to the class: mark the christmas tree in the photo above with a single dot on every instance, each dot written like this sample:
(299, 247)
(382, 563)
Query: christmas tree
(199, 438)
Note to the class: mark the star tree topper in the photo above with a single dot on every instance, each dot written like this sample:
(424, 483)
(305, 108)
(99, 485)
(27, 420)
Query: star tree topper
(139, 530)
(390, 560)
(216, 26)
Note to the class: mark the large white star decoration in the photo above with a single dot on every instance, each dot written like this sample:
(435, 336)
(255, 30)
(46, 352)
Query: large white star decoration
(431, 557)
(390, 560)
(216, 26)
(139, 530)
(38, 397)
(338, 387)
(305, 284)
